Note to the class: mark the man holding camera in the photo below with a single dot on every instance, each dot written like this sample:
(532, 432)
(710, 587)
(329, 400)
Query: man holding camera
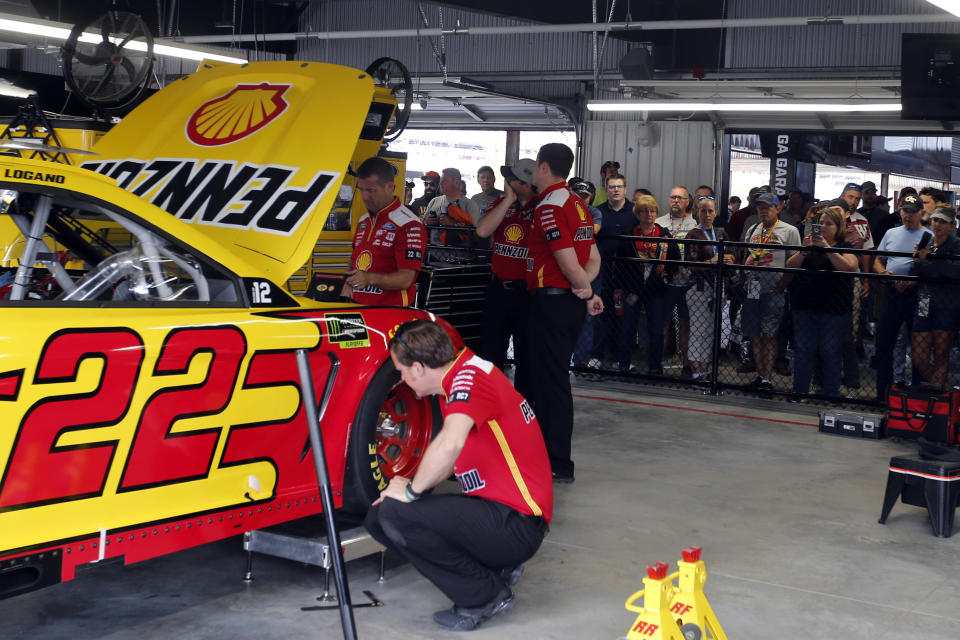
(764, 305)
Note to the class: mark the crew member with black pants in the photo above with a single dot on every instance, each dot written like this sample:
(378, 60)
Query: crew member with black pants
(470, 546)
(563, 261)
(508, 220)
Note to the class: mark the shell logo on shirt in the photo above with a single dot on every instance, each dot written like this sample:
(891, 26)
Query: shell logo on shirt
(364, 260)
(513, 233)
(243, 110)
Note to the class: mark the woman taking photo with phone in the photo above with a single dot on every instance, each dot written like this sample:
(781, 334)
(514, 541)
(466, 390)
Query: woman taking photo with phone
(822, 301)
(938, 305)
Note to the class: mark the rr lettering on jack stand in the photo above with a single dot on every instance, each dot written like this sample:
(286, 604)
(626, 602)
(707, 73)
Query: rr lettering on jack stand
(679, 607)
(645, 628)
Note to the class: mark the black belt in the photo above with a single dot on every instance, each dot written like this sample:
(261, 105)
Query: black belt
(511, 285)
(536, 521)
(549, 291)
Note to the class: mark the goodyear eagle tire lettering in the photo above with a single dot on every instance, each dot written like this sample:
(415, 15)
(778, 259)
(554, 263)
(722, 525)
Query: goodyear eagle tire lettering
(367, 471)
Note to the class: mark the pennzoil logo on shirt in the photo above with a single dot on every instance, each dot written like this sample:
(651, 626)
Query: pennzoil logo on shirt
(527, 411)
(510, 251)
(221, 193)
(240, 112)
(470, 481)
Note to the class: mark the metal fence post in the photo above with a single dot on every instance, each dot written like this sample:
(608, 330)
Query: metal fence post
(717, 320)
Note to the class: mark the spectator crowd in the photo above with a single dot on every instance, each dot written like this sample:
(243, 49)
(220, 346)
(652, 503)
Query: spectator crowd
(772, 294)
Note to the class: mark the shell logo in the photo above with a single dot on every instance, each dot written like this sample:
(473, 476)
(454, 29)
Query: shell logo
(583, 214)
(513, 233)
(240, 112)
(364, 260)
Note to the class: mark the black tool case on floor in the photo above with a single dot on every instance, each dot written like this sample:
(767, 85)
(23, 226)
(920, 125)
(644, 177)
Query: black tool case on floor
(848, 424)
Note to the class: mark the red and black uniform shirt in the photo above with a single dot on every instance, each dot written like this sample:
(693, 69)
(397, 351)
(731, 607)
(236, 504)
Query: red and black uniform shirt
(560, 221)
(510, 252)
(504, 458)
(394, 239)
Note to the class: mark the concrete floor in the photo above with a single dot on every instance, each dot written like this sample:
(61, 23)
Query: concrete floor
(787, 518)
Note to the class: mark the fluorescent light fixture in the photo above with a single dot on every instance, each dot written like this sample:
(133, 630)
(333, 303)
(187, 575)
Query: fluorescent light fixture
(950, 6)
(759, 107)
(416, 106)
(60, 31)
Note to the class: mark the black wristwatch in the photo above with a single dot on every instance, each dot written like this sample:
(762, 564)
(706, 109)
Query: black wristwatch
(413, 495)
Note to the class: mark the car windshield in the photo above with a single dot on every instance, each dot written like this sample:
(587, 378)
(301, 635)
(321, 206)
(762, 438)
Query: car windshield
(60, 248)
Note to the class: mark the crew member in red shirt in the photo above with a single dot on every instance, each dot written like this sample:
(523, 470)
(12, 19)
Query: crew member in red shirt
(508, 219)
(563, 261)
(388, 244)
(470, 546)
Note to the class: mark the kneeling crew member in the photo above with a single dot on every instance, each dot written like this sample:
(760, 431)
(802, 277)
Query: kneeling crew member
(563, 261)
(470, 546)
(507, 219)
(388, 244)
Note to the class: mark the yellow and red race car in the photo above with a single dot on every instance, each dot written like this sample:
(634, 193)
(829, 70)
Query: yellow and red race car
(149, 394)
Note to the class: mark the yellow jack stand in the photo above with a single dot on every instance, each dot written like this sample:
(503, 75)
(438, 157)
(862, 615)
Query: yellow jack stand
(671, 612)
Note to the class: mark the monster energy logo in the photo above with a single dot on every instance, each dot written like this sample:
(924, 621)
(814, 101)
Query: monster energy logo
(347, 330)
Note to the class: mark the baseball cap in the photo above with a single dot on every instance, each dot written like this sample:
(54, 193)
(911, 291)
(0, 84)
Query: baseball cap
(768, 199)
(911, 203)
(430, 174)
(866, 186)
(907, 190)
(583, 188)
(947, 215)
(853, 186)
(521, 170)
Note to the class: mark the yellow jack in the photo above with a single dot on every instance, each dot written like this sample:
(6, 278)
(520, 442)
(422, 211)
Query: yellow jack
(670, 612)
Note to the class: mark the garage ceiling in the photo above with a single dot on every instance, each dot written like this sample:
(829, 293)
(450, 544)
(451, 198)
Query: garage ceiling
(519, 89)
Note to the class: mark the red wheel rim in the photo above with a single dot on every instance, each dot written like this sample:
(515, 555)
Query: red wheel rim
(400, 452)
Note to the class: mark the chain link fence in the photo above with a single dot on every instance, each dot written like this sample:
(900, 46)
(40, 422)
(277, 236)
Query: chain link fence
(737, 317)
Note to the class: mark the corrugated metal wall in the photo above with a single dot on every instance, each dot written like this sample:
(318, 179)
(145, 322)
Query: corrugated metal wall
(823, 46)
(682, 154)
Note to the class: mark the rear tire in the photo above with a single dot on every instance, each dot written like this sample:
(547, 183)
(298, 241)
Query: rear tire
(373, 458)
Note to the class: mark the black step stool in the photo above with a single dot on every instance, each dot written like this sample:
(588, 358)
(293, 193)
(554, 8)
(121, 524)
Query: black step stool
(933, 484)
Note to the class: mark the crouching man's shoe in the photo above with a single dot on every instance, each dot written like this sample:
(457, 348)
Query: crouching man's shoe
(511, 575)
(464, 619)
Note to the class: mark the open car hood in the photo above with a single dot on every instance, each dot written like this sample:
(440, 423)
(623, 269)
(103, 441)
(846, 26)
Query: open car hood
(253, 155)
